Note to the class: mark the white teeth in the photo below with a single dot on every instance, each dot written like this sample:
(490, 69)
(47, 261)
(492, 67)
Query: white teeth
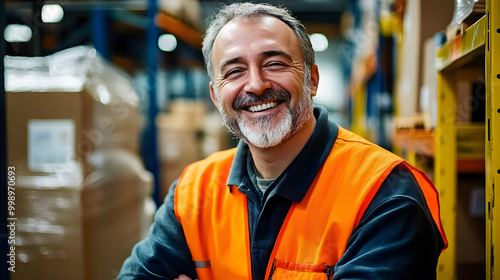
(262, 107)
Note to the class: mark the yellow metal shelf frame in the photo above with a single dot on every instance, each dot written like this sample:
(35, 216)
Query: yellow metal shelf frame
(445, 171)
(481, 41)
(492, 135)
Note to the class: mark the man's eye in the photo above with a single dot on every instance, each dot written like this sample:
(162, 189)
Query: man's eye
(232, 72)
(276, 64)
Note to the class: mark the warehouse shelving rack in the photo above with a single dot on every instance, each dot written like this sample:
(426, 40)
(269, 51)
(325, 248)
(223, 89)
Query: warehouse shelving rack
(457, 54)
(478, 45)
(481, 40)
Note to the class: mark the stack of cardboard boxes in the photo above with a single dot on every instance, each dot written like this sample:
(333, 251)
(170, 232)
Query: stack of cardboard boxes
(421, 20)
(81, 189)
(188, 132)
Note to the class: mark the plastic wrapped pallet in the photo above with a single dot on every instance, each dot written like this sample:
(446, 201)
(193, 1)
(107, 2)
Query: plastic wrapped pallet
(64, 106)
(83, 195)
(49, 235)
(70, 227)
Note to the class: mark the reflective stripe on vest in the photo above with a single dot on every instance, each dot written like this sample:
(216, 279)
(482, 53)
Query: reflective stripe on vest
(316, 230)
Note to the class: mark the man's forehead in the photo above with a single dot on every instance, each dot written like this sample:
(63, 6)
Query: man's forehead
(265, 22)
(264, 25)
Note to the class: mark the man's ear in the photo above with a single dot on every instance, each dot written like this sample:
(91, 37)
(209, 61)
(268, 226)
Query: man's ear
(314, 79)
(213, 96)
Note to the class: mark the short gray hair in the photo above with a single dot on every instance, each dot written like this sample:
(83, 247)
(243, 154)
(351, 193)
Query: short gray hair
(249, 10)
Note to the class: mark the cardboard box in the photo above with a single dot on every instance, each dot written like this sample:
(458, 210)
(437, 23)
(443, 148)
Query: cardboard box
(113, 201)
(70, 227)
(428, 99)
(180, 138)
(49, 235)
(187, 11)
(421, 20)
(187, 133)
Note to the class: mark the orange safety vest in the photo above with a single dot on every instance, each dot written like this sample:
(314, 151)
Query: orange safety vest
(314, 235)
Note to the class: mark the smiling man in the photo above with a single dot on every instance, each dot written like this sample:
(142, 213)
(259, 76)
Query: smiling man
(300, 197)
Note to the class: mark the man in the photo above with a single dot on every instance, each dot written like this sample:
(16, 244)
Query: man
(300, 197)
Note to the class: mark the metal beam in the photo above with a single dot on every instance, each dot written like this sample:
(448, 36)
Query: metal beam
(129, 18)
(295, 6)
(100, 30)
(131, 5)
(150, 136)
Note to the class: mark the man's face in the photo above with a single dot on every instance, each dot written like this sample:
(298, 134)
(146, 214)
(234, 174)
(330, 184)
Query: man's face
(259, 82)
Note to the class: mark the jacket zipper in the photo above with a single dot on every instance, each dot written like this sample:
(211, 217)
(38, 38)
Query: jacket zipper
(328, 272)
(272, 270)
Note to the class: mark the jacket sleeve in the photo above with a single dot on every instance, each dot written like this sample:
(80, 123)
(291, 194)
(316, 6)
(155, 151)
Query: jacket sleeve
(396, 237)
(164, 254)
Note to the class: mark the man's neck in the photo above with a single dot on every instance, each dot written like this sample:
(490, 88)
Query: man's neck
(271, 162)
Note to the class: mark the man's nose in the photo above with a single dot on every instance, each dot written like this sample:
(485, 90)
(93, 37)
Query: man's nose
(257, 82)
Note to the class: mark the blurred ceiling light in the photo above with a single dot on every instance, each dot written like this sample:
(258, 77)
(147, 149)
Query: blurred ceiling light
(52, 13)
(319, 42)
(17, 33)
(167, 42)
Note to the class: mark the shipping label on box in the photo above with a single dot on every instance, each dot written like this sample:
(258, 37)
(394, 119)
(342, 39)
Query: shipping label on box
(50, 142)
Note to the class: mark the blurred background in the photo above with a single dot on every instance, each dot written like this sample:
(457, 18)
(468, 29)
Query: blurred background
(104, 102)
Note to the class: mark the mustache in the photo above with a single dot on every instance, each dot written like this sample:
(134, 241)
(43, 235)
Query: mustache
(268, 95)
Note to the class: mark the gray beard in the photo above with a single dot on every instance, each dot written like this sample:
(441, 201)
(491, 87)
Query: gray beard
(265, 136)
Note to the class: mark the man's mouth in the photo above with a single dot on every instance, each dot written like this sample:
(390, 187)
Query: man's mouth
(262, 107)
